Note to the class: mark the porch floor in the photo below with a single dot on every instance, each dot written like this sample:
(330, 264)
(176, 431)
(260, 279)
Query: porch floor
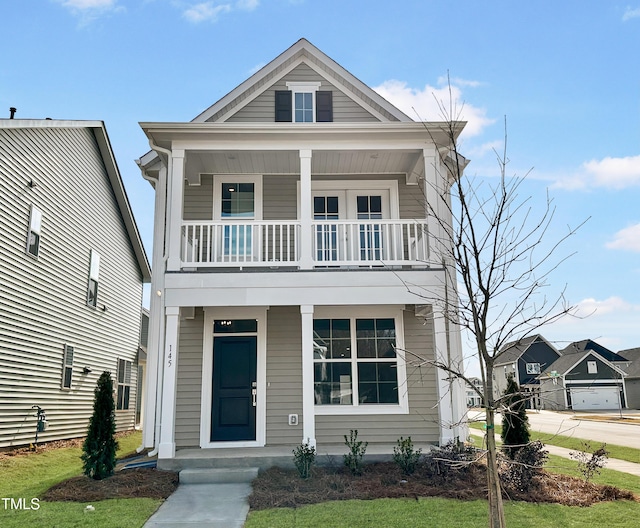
(266, 457)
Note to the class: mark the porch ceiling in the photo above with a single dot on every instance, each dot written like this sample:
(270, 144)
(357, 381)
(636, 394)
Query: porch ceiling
(407, 162)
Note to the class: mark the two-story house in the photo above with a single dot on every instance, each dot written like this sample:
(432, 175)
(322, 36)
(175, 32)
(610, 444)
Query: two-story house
(72, 267)
(293, 235)
(524, 359)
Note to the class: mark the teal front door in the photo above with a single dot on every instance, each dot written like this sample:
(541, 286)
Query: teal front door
(233, 406)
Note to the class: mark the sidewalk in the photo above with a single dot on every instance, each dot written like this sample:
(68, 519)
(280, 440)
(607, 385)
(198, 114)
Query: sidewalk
(612, 463)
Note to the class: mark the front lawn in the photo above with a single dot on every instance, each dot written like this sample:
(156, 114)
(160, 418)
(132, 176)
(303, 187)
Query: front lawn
(28, 476)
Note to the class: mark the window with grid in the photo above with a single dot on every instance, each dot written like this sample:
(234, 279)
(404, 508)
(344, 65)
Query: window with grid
(355, 361)
(123, 390)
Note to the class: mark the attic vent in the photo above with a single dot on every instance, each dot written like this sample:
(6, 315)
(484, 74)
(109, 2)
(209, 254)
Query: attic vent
(12, 112)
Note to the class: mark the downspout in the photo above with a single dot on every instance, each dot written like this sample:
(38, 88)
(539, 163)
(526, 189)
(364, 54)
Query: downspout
(157, 294)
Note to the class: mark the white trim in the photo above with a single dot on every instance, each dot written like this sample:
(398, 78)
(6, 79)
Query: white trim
(366, 312)
(210, 314)
(219, 179)
(302, 87)
(358, 186)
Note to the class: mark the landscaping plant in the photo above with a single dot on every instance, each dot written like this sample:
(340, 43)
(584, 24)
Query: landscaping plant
(590, 461)
(515, 424)
(304, 457)
(357, 449)
(405, 456)
(527, 463)
(99, 447)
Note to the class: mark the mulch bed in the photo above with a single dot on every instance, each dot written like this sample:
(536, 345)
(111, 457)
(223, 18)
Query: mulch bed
(127, 484)
(278, 488)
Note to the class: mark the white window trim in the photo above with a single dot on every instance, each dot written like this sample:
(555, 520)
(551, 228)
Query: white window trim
(124, 383)
(303, 87)
(35, 226)
(94, 274)
(219, 179)
(65, 350)
(349, 188)
(210, 315)
(592, 367)
(368, 312)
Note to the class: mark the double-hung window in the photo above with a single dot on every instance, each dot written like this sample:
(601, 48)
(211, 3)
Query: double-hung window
(94, 278)
(123, 391)
(33, 236)
(358, 366)
(303, 102)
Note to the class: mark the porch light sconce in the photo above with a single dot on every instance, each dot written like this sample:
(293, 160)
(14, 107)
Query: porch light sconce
(159, 293)
(104, 307)
(32, 183)
(86, 370)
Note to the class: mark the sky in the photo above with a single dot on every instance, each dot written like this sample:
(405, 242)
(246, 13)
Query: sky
(564, 76)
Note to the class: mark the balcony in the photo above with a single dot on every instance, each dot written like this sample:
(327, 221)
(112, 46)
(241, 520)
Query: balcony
(277, 244)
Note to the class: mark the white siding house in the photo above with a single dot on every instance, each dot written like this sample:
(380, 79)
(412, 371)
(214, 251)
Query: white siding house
(71, 272)
(290, 217)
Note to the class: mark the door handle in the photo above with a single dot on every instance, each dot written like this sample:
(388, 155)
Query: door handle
(254, 394)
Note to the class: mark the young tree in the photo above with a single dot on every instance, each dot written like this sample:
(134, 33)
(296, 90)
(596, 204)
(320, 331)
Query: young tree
(515, 424)
(99, 447)
(496, 256)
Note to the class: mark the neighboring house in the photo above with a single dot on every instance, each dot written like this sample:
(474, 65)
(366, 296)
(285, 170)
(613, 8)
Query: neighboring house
(71, 272)
(524, 359)
(294, 222)
(473, 398)
(583, 381)
(632, 379)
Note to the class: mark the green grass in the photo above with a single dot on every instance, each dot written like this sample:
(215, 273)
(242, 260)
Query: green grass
(629, 454)
(28, 477)
(444, 513)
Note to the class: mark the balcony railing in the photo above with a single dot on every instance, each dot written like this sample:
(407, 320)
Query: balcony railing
(359, 243)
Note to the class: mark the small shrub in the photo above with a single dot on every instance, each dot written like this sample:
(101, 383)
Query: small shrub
(357, 449)
(405, 456)
(452, 457)
(515, 424)
(99, 447)
(304, 457)
(590, 461)
(527, 463)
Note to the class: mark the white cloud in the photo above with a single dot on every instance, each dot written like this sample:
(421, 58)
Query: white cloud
(206, 11)
(611, 173)
(425, 104)
(211, 10)
(593, 308)
(89, 10)
(627, 239)
(631, 13)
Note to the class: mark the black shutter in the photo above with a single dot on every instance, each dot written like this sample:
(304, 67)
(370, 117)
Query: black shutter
(283, 106)
(324, 107)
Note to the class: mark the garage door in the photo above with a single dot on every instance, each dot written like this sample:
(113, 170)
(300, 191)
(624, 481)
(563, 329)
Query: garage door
(594, 398)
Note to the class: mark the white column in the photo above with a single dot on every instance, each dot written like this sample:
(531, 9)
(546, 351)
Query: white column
(176, 190)
(306, 212)
(150, 396)
(445, 407)
(308, 409)
(433, 188)
(167, 448)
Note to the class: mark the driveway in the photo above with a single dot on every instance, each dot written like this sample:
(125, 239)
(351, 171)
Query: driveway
(571, 424)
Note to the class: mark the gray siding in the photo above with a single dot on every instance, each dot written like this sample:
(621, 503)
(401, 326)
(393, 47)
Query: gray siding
(633, 393)
(189, 384)
(552, 396)
(280, 197)
(262, 108)
(43, 300)
(421, 424)
(284, 375)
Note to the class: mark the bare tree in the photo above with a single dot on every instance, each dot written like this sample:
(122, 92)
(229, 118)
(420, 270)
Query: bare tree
(498, 254)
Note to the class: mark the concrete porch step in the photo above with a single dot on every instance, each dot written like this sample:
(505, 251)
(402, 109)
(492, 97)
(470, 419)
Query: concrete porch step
(218, 475)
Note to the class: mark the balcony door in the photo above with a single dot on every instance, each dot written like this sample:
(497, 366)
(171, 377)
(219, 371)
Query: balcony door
(338, 236)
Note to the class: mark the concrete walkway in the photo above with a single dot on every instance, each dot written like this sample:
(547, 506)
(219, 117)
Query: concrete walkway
(612, 463)
(212, 498)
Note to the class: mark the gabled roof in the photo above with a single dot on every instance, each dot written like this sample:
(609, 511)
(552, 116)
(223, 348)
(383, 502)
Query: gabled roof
(514, 350)
(633, 355)
(588, 344)
(630, 354)
(567, 362)
(111, 167)
(301, 52)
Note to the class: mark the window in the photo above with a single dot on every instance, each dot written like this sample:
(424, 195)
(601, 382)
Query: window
(533, 368)
(67, 366)
(592, 367)
(303, 102)
(355, 362)
(33, 237)
(94, 276)
(123, 391)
